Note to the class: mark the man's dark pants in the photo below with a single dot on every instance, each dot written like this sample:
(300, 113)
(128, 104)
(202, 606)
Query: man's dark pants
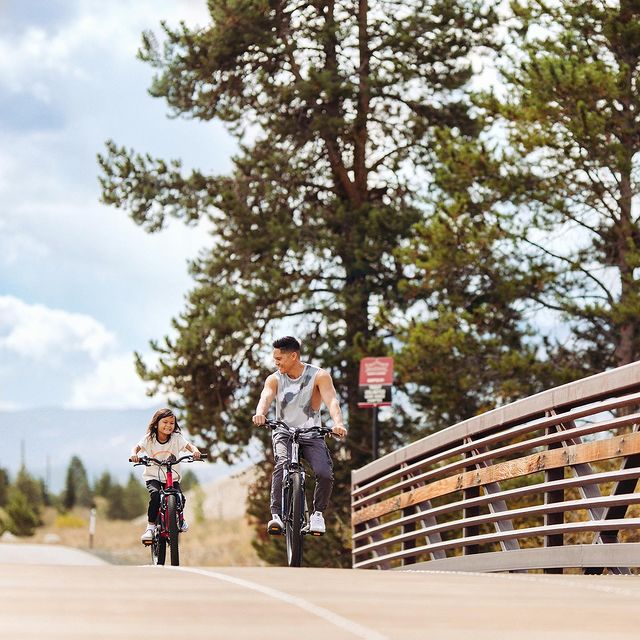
(316, 453)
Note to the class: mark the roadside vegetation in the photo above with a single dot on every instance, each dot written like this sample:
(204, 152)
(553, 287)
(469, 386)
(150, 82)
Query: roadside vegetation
(31, 513)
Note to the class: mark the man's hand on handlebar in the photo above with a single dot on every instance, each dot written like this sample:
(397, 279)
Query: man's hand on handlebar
(340, 431)
(259, 419)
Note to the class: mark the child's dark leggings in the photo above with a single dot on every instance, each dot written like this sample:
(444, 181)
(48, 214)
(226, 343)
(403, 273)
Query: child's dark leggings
(154, 487)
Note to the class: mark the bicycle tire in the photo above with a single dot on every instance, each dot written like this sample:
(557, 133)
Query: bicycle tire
(295, 520)
(158, 548)
(172, 518)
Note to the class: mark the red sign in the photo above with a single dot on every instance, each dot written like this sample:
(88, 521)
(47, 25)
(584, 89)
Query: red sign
(376, 378)
(376, 371)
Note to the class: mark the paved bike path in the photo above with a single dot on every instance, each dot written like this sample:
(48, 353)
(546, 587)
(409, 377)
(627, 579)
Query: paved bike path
(118, 602)
(44, 554)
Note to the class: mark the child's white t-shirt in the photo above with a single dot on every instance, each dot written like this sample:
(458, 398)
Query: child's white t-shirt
(154, 449)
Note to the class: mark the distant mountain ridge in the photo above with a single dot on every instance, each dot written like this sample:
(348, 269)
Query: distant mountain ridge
(102, 439)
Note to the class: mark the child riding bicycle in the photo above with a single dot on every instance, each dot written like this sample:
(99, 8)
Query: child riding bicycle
(163, 439)
(299, 390)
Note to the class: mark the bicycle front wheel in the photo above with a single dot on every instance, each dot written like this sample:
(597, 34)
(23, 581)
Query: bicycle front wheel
(172, 518)
(295, 521)
(158, 548)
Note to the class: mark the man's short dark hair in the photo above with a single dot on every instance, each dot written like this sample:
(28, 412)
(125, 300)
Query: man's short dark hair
(287, 344)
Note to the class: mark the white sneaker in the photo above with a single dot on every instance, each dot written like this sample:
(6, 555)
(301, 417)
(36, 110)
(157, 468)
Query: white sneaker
(275, 526)
(316, 523)
(147, 536)
(184, 526)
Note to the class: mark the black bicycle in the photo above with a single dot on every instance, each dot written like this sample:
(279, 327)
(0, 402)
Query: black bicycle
(294, 502)
(170, 517)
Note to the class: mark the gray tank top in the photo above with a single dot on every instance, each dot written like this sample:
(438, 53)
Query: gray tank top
(293, 401)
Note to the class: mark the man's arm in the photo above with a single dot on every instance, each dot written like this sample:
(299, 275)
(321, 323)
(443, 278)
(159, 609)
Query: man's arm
(266, 398)
(330, 398)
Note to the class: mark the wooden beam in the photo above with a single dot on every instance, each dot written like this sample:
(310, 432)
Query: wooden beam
(624, 445)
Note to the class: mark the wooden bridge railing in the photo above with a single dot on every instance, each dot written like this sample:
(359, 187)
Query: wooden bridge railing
(547, 482)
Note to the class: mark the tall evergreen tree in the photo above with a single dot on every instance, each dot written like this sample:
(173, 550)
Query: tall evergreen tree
(77, 490)
(570, 115)
(135, 498)
(103, 484)
(30, 487)
(25, 500)
(23, 515)
(468, 340)
(5, 483)
(334, 106)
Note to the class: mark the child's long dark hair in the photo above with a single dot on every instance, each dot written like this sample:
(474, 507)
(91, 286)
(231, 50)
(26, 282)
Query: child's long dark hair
(152, 429)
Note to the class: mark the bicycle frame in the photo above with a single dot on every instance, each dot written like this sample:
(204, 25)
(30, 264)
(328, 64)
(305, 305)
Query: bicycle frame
(162, 520)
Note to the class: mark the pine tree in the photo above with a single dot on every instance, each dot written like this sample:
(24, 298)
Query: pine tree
(135, 498)
(23, 515)
(25, 500)
(77, 490)
(4, 486)
(102, 486)
(468, 342)
(342, 103)
(570, 116)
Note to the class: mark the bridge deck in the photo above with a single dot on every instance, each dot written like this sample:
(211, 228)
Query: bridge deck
(108, 602)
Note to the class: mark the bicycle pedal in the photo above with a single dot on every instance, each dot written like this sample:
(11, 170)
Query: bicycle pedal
(317, 534)
(147, 543)
(275, 531)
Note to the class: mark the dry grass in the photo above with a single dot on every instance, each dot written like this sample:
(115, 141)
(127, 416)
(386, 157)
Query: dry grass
(219, 534)
(209, 542)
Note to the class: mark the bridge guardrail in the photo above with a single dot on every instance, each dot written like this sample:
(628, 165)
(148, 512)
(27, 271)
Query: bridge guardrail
(547, 482)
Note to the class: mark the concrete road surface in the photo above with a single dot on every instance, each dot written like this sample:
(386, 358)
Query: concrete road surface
(45, 554)
(77, 600)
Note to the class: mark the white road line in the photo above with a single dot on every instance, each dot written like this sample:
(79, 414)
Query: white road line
(333, 618)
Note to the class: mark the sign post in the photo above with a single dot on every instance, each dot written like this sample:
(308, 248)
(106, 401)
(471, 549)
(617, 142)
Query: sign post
(92, 526)
(376, 379)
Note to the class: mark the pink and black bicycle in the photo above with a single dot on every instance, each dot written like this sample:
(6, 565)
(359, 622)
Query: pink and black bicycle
(170, 516)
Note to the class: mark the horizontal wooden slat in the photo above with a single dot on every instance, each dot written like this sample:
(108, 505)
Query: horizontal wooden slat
(534, 510)
(565, 483)
(598, 387)
(570, 527)
(486, 441)
(588, 452)
(500, 452)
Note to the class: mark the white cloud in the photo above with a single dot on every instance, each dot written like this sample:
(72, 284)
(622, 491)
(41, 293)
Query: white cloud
(38, 332)
(113, 27)
(114, 384)
(71, 359)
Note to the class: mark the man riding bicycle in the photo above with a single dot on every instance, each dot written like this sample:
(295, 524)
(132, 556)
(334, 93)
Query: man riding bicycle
(299, 390)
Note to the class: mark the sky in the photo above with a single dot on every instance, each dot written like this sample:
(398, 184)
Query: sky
(81, 286)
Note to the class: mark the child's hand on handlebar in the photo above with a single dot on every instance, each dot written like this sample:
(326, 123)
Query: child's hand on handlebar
(134, 458)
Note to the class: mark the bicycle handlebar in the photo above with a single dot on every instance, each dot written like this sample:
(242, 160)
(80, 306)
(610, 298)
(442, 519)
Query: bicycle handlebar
(146, 460)
(324, 431)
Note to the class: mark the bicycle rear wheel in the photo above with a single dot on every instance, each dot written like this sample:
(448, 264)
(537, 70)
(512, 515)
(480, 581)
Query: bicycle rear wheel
(172, 518)
(295, 518)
